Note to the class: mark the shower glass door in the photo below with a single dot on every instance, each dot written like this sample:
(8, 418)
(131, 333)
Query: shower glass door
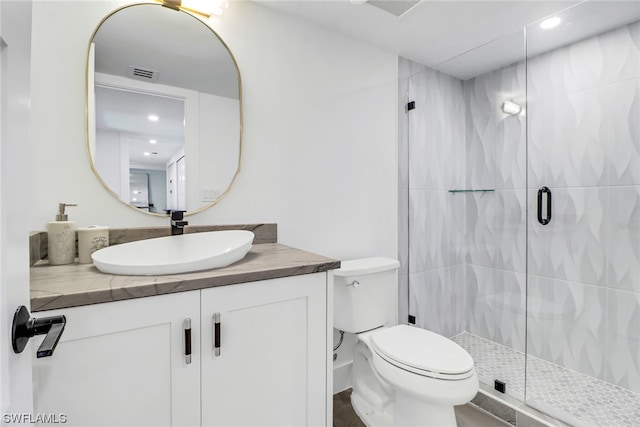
(583, 221)
(462, 175)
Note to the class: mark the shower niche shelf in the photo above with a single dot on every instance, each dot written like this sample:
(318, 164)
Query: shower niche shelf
(482, 190)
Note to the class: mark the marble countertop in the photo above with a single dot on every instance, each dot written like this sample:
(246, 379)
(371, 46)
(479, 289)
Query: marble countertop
(63, 286)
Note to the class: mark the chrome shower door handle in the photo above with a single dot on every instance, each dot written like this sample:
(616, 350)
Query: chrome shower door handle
(541, 192)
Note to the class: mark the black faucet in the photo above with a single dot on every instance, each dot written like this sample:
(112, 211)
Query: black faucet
(177, 222)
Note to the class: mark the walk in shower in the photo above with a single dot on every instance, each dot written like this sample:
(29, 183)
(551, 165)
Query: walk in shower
(519, 207)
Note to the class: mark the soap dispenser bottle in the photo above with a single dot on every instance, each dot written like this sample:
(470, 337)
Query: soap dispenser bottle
(61, 235)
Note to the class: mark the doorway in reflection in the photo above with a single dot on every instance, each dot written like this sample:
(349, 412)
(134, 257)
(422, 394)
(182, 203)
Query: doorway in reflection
(139, 143)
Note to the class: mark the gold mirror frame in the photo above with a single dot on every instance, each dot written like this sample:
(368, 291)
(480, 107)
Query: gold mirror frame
(87, 124)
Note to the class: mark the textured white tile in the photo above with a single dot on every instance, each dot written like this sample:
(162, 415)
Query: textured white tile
(538, 311)
(429, 230)
(480, 301)
(573, 318)
(403, 231)
(622, 104)
(496, 305)
(481, 133)
(509, 307)
(585, 66)
(624, 238)
(459, 298)
(583, 133)
(573, 145)
(623, 340)
(511, 151)
(482, 219)
(545, 74)
(570, 396)
(419, 163)
(457, 208)
(510, 230)
(621, 48)
(403, 135)
(431, 300)
(573, 245)
(436, 130)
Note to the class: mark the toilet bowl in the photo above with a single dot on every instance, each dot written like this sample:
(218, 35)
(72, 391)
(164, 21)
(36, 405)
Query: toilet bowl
(402, 375)
(407, 376)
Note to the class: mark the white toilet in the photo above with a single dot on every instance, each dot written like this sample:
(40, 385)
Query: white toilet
(402, 375)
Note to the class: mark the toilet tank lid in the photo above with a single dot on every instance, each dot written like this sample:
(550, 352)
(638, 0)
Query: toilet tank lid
(366, 266)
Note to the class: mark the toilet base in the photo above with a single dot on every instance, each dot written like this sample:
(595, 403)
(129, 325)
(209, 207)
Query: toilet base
(408, 411)
(370, 416)
(412, 411)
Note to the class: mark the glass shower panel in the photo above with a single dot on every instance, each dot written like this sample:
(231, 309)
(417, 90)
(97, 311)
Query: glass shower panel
(583, 222)
(464, 197)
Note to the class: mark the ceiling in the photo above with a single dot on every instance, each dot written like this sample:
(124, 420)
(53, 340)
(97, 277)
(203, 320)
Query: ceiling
(461, 38)
(189, 56)
(440, 33)
(178, 48)
(127, 112)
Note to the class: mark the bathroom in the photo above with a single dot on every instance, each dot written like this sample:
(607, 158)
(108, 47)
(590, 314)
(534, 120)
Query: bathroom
(327, 174)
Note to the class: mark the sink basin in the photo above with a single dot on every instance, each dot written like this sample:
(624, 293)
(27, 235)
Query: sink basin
(175, 254)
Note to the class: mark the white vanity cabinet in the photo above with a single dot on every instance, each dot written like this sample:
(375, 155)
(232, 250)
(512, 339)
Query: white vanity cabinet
(272, 364)
(123, 363)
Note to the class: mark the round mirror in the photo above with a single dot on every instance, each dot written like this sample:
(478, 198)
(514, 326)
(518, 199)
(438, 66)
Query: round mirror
(164, 111)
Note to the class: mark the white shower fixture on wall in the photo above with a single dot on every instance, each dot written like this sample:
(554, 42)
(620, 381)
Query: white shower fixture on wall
(510, 107)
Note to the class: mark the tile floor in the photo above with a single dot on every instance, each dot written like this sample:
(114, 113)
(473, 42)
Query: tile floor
(466, 416)
(570, 396)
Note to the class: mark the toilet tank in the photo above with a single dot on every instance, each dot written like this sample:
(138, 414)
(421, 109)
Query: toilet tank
(365, 294)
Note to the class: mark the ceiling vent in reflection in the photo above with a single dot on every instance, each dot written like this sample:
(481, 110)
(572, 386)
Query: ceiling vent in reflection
(142, 74)
(394, 7)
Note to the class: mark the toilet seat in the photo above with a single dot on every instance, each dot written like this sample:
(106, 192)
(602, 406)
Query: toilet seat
(422, 352)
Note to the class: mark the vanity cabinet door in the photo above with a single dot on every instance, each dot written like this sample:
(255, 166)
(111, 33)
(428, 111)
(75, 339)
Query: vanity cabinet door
(272, 364)
(123, 364)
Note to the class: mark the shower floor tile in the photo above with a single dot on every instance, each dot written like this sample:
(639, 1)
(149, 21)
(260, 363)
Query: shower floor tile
(567, 395)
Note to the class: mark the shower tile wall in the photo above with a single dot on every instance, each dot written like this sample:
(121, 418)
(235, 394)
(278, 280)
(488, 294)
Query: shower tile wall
(435, 261)
(584, 138)
(466, 253)
(496, 231)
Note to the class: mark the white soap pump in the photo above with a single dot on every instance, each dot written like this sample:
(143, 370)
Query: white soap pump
(61, 235)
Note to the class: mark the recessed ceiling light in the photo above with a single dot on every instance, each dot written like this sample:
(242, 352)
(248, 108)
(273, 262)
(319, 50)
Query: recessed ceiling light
(146, 153)
(550, 23)
(153, 141)
(153, 118)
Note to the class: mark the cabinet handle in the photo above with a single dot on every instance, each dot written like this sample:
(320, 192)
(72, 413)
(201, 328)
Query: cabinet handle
(216, 334)
(187, 341)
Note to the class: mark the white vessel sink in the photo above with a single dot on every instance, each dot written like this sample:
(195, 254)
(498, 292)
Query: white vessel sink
(175, 254)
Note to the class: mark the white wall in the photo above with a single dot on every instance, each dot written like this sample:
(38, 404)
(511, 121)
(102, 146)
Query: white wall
(319, 131)
(109, 159)
(15, 369)
(219, 149)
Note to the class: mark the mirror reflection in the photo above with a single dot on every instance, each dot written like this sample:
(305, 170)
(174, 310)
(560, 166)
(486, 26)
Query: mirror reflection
(164, 114)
